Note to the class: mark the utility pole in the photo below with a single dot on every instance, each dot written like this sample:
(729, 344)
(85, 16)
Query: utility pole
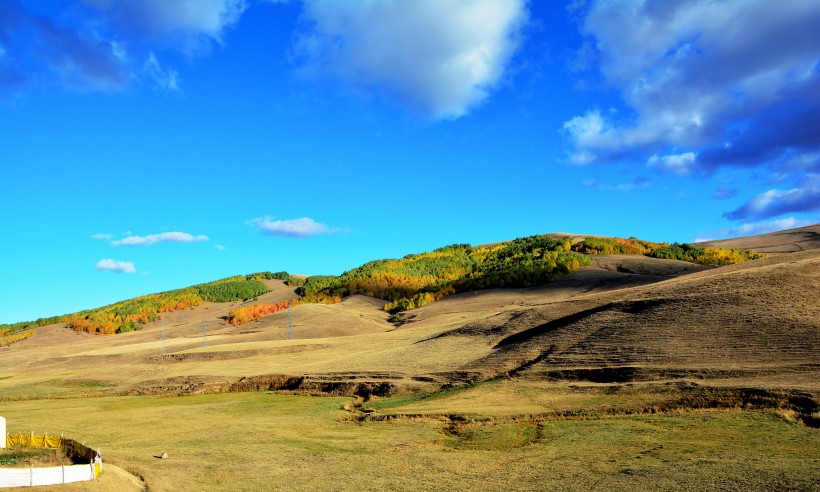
(204, 333)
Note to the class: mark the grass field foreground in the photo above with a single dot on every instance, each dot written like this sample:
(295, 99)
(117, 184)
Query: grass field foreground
(264, 441)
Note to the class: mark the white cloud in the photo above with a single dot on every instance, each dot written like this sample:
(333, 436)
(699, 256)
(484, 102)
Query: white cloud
(300, 228)
(803, 198)
(219, 247)
(635, 184)
(736, 77)
(41, 48)
(165, 79)
(107, 264)
(755, 228)
(101, 236)
(674, 163)
(770, 226)
(591, 131)
(102, 47)
(165, 237)
(439, 57)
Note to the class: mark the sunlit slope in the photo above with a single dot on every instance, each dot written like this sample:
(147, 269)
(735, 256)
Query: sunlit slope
(754, 323)
(800, 239)
(351, 337)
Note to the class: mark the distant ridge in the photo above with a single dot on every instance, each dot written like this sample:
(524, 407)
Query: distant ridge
(788, 241)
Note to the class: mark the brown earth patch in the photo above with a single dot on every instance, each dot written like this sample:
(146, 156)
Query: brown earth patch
(305, 384)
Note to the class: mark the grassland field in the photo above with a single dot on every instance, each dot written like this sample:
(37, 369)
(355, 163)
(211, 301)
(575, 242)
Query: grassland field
(263, 441)
(630, 374)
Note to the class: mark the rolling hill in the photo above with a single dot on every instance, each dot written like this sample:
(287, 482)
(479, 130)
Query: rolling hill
(622, 337)
(622, 318)
(800, 239)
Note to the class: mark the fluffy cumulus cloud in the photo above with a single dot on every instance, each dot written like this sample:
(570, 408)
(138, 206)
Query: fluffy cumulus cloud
(164, 237)
(774, 202)
(592, 131)
(107, 264)
(438, 57)
(705, 77)
(105, 44)
(298, 228)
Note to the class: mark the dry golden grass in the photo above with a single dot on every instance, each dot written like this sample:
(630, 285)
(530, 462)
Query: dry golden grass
(259, 441)
(602, 349)
(752, 324)
(801, 239)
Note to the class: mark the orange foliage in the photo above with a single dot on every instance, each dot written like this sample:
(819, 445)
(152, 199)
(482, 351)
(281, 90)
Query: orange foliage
(98, 325)
(247, 314)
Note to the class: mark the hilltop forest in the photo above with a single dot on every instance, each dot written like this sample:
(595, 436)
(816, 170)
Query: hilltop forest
(406, 283)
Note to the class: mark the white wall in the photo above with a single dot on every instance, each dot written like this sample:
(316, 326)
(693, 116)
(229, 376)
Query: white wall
(27, 477)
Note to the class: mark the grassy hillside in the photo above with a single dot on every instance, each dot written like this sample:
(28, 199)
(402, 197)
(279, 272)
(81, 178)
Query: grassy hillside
(684, 252)
(130, 314)
(634, 373)
(406, 283)
(418, 279)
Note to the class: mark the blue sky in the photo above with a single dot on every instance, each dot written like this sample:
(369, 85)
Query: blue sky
(147, 145)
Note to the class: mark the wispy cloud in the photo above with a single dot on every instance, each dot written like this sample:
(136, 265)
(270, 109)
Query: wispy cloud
(103, 44)
(724, 193)
(107, 264)
(188, 25)
(636, 183)
(440, 58)
(298, 228)
(164, 79)
(164, 237)
(219, 247)
(101, 236)
(41, 49)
